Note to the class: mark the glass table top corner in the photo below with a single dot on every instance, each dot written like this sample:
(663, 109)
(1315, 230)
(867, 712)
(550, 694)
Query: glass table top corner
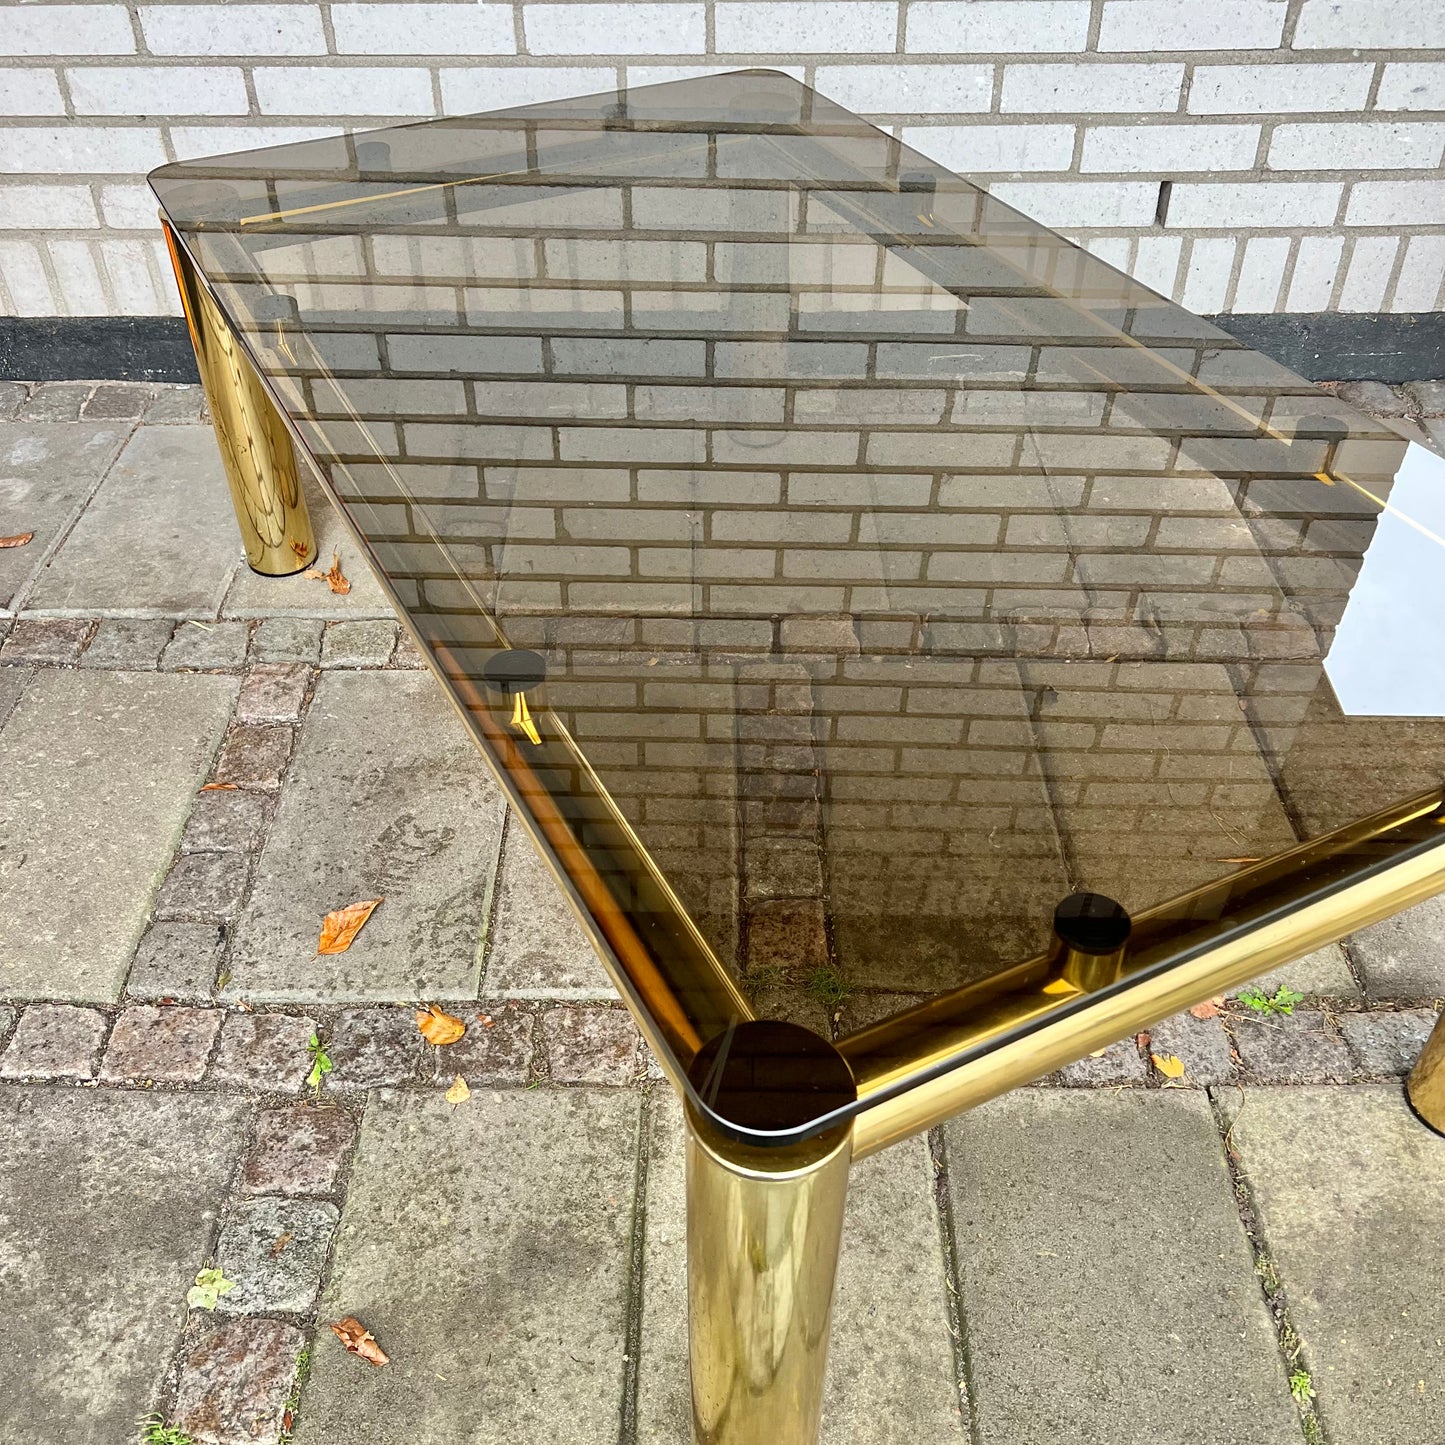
(839, 569)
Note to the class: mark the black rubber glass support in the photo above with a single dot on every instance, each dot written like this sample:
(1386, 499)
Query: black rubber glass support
(515, 670)
(1092, 923)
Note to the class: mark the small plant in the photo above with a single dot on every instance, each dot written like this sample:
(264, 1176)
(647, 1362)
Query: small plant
(828, 986)
(1301, 1388)
(293, 1400)
(1281, 1001)
(769, 975)
(320, 1063)
(155, 1431)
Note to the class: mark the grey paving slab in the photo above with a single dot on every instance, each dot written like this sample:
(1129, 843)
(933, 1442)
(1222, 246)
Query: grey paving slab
(46, 473)
(158, 539)
(386, 798)
(1108, 1287)
(12, 684)
(100, 769)
(108, 1200)
(890, 1364)
(1404, 957)
(538, 949)
(1350, 1189)
(485, 1245)
(252, 595)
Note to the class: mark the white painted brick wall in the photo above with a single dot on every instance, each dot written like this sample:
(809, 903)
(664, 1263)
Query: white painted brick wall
(1304, 139)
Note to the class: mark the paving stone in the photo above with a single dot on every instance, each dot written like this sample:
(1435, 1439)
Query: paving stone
(172, 404)
(793, 1004)
(204, 886)
(45, 639)
(370, 1047)
(206, 647)
(1387, 1043)
(275, 1251)
(118, 400)
(299, 1150)
(54, 1041)
(287, 639)
(358, 644)
(1120, 1063)
(13, 396)
(8, 1017)
(890, 1363)
(224, 822)
(407, 653)
(100, 769)
(273, 692)
(1295, 1048)
(235, 1383)
(590, 1045)
(265, 1052)
(383, 754)
(538, 949)
(494, 1056)
(128, 642)
(1373, 397)
(1099, 1242)
(13, 682)
(1201, 1045)
(177, 960)
(255, 754)
(158, 536)
(787, 933)
(1404, 957)
(486, 1246)
(1322, 974)
(58, 400)
(783, 868)
(1350, 1190)
(108, 1199)
(1428, 396)
(163, 1045)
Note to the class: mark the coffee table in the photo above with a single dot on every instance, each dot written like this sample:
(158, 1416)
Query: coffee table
(924, 655)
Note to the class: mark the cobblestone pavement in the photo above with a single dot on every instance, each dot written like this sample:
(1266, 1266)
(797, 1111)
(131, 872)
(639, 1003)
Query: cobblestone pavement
(198, 764)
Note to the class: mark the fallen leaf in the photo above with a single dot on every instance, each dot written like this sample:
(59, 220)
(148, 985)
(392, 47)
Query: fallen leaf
(358, 1339)
(438, 1027)
(339, 929)
(486, 1021)
(282, 1240)
(1099, 1053)
(18, 540)
(458, 1093)
(1170, 1065)
(334, 578)
(1209, 1008)
(210, 1285)
(218, 788)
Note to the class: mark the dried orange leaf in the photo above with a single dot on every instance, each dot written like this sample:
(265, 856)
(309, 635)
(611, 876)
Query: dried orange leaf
(1170, 1065)
(359, 1340)
(458, 1093)
(438, 1027)
(219, 788)
(18, 540)
(1209, 1008)
(334, 578)
(339, 929)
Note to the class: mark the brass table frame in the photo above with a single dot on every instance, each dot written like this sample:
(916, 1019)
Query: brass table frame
(764, 1223)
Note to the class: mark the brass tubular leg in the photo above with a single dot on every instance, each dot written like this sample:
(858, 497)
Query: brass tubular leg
(255, 446)
(1426, 1084)
(763, 1227)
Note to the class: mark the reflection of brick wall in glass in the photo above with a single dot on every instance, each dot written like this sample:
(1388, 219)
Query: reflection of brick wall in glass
(871, 566)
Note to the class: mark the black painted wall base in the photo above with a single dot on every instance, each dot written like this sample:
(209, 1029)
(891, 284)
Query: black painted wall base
(1324, 346)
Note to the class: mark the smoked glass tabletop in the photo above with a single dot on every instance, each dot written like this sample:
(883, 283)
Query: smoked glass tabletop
(839, 567)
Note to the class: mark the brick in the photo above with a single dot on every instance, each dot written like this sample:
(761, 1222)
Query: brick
(81, 150)
(787, 933)
(45, 639)
(1201, 1045)
(1316, 268)
(235, 1382)
(204, 646)
(1372, 260)
(266, 1053)
(1362, 145)
(275, 1252)
(128, 642)
(630, 29)
(1274, 88)
(343, 90)
(784, 27)
(126, 401)
(1387, 1043)
(158, 90)
(206, 887)
(491, 1056)
(1206, 278)
(299, 1150)
(1170, 149)
(1412, 86)
(1261, 273)
(1165, 25)
(984, 148)
(223, 822)
(273, 692)
(173, 403)
(1418, 286)
(1284, 204)
(287, 639)
(54, 1041)
(1329, 25)
(233, 30)
(87, 30)
(254, 755)
(908, 89)
(372, 1047)
(176, 960)
(1394, 203)
(161, 1045)
(1294, 1048)
(46, 207)
(590, 1046)
(1091, 88)
(1081, 203)
(478, 88)
(421, 29)
(30, 92)
(989, 26)
(783, 868)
